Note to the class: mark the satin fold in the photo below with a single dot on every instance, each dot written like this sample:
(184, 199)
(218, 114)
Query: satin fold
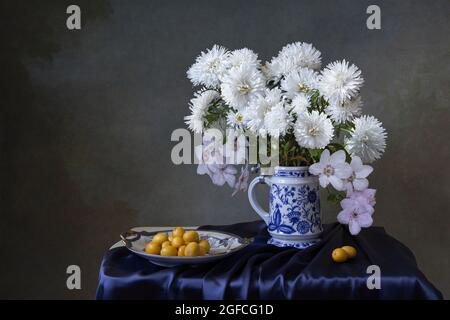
(263, 271)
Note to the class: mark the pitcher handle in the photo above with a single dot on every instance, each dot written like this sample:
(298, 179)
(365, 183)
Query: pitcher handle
(253, 202)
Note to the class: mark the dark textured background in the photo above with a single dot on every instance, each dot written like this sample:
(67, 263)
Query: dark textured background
(87, 117)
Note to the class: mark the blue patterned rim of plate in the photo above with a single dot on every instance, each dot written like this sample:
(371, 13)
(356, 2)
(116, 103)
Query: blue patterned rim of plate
(222, 243)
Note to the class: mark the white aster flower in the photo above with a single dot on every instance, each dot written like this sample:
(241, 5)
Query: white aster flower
(273, 96)
(340, 82)
(236, 120)
(276, 68)
(332, 169)
(300, 104)
(303, 55)
(299, 81)
(358, 179)
(341, 112)
(209, 67)
(241, 84)
(313, 130)
(258, 107)
(368, 139)
(243, 57)
(292, 57)
(277, 121)
(199, 106)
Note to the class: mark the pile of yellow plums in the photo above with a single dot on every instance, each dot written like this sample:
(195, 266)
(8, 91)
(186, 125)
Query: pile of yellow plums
(343, 254)
(179, 243)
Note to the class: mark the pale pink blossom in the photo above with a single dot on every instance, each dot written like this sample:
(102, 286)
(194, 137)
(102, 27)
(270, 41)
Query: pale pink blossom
(242, 182)
(357, 210)
(332, 169)
(209, 153)
(203, 169)
(223, 173)
(357, 180)
(365, 196)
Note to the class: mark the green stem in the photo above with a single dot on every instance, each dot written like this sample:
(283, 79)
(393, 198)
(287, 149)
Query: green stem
(346, 130)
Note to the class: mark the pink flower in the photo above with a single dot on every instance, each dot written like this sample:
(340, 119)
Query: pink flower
(211, 162)
(357, 180)
(332, 169)
(203, 169)
(209, 153)
(242, 182)
(365, 196)
(357, 210)
(223, 173)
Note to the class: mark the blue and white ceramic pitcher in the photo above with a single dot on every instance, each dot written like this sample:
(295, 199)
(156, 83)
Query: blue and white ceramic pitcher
(294, 219)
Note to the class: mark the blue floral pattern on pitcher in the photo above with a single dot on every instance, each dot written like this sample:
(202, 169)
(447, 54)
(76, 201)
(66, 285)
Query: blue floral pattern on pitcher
(294, 218)
(293, 172)
(295, 208)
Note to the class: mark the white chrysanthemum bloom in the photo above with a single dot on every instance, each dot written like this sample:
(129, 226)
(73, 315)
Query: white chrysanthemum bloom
(341, 112)
(313, 130)
(242, 84)
(276, 68)
(277, 120)
(209, 67)
(258, 108)
(292, 57)
(303, 55)
(300, 104)
(242, 57)
(368, 139)
(199, 106)
(299, 81)
(236, 120)
(340, 82)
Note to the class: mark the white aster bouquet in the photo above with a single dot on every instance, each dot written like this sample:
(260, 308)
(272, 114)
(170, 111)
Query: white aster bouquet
(314, 115)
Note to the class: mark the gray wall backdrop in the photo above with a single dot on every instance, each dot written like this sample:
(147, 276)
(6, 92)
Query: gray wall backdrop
(87, 117)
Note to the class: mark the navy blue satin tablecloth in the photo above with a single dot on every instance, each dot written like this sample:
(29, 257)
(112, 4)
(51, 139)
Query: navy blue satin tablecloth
(263, 271)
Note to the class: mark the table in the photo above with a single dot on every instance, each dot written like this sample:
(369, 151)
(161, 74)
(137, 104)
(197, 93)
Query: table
(262, 271)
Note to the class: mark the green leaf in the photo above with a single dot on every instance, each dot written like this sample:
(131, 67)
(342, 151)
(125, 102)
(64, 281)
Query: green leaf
(335, 197)
(315, 154)
(333, 147)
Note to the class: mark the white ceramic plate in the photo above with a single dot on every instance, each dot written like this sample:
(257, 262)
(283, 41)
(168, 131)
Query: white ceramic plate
(222, 244)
